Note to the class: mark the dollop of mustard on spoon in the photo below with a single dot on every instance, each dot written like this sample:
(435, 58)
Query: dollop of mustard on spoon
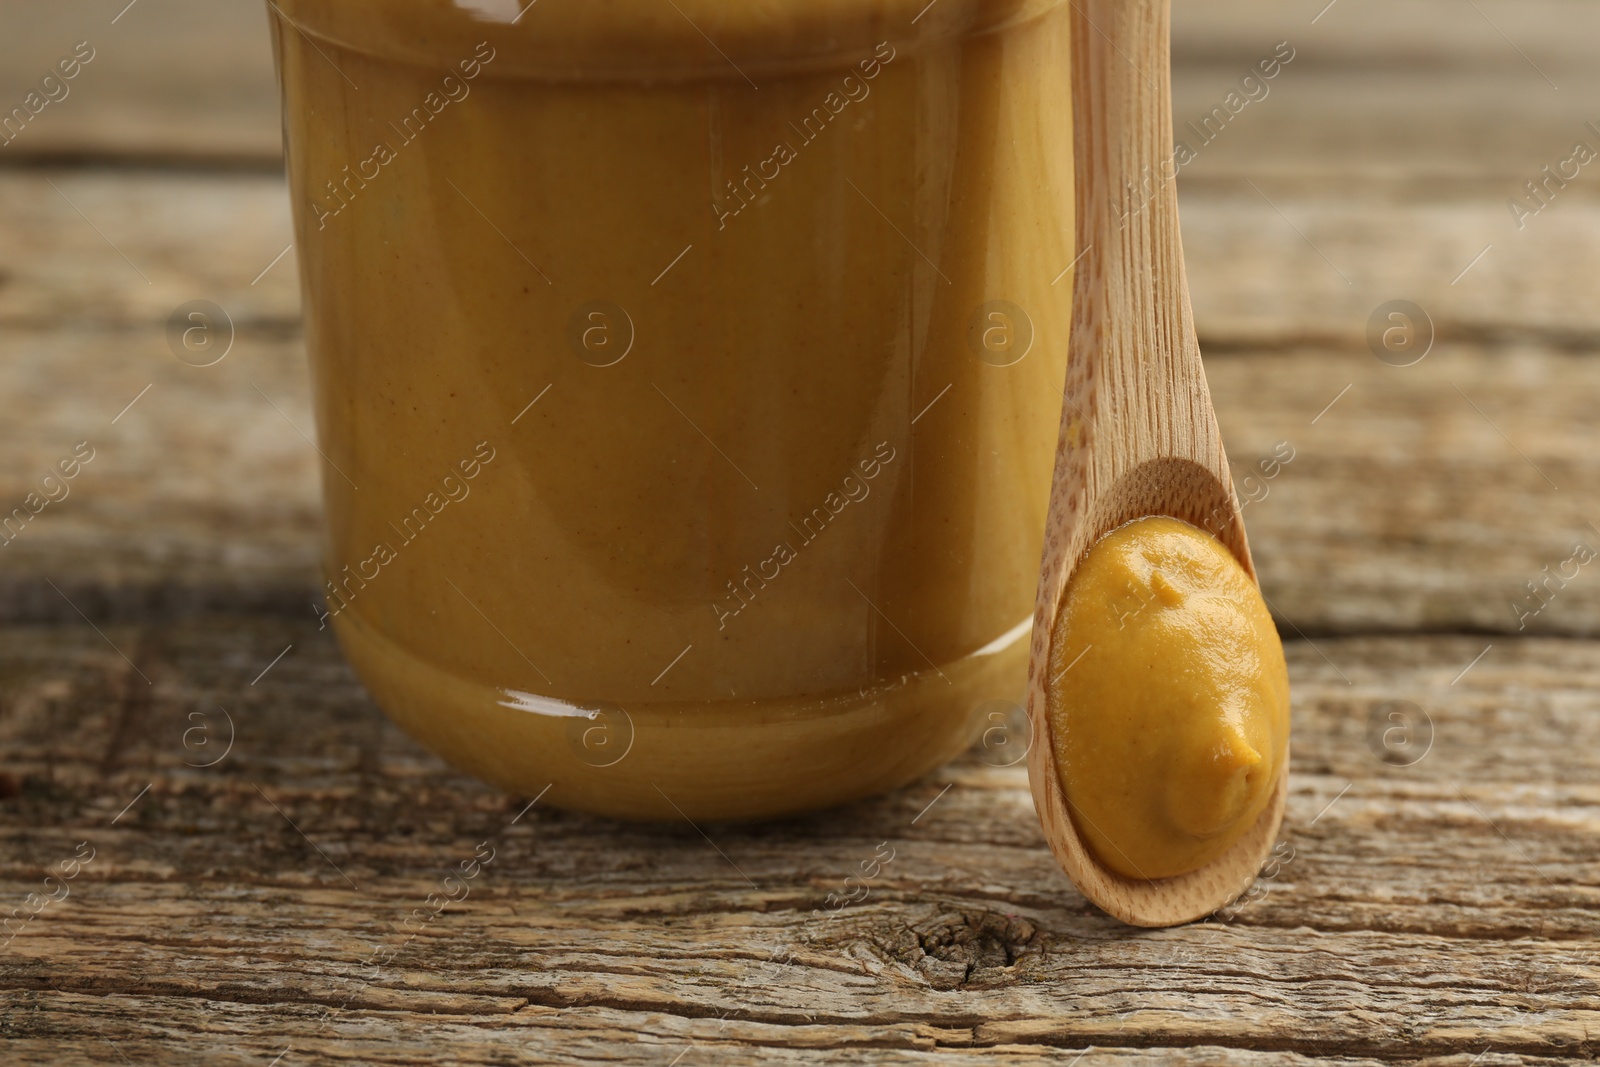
(1169, 704)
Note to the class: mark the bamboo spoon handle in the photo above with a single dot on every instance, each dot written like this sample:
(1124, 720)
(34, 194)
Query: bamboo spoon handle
(1135, 385)
(1138, 433)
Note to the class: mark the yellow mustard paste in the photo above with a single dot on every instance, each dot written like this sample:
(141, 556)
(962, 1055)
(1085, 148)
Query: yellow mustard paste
(774, 530)
(1169, 703)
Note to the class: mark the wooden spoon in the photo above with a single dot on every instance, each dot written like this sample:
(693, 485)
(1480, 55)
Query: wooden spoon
(1138, 433)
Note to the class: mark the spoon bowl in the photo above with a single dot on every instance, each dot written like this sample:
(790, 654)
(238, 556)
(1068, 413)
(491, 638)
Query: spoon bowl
(1139, 436)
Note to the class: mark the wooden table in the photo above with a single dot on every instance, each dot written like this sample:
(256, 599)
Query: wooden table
(1436, 894)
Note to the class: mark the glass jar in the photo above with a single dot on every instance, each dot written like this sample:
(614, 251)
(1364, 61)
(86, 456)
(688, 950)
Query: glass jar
(687, 377)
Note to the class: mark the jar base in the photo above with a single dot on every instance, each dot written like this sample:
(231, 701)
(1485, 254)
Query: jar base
(729, 760)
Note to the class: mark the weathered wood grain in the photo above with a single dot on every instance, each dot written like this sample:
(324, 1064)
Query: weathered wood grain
(1425, 497)
(202, 492)
(1303, 267)
(1425, 35)
(95, 248)
(1402, 127)
(174, 81)
(1427, 910)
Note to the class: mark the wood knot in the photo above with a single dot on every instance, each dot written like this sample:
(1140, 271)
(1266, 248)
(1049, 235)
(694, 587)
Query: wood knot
(970, 949)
